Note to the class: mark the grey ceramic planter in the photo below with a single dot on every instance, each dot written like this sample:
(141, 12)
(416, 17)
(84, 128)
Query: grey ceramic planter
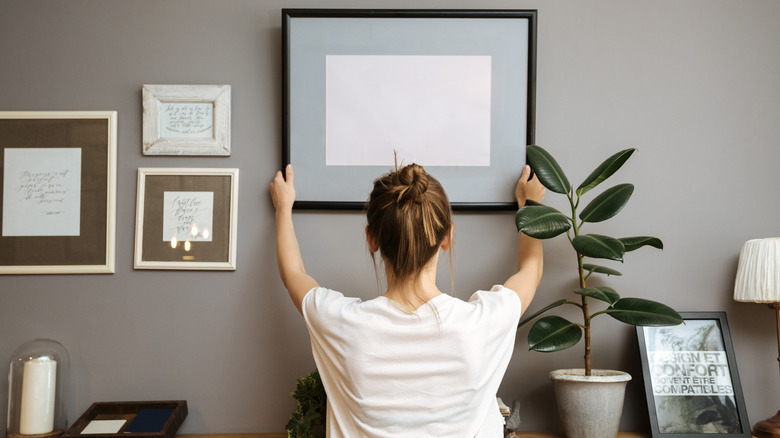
(590, 406)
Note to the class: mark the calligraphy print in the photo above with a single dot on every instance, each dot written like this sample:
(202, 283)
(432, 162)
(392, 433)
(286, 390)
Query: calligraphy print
(42, 192)
(187, 120)
(691, 381)
(188, 216)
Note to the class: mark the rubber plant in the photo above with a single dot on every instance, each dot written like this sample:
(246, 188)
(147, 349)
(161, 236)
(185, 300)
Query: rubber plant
(308, 420)
(555, 333)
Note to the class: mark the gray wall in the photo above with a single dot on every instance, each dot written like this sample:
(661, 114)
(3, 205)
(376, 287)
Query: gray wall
(692, 84)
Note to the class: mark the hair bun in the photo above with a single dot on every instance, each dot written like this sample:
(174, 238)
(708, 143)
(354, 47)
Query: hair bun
(413, 183)
(408, 216)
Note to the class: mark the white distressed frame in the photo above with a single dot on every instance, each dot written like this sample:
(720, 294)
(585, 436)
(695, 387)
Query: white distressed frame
(154, 96)
(230, 263)
(111, 141)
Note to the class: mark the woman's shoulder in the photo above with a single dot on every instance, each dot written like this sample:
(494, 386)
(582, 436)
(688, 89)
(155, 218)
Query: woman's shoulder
(322, 295)
(497, 300)
(496, 293)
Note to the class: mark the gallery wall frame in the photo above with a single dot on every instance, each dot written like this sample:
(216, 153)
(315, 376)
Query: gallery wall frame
(186, 119)
(58, 192)
(186, 218)
(452, 90)
(691, 379)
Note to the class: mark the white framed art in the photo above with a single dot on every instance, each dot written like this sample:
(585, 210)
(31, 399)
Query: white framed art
(186, 219)
(186, 119)
(58, 190)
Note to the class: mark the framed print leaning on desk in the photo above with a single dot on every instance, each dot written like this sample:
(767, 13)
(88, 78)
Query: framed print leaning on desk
(451, 90)
(691, 379)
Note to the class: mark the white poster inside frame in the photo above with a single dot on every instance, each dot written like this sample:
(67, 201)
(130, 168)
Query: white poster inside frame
(186, 119)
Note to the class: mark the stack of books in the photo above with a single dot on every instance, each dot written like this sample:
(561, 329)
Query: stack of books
(503, 408)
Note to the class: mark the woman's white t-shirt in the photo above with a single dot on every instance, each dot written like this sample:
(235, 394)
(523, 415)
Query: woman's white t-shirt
(431, 373)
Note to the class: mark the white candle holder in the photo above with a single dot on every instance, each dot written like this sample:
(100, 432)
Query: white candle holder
(37, 383)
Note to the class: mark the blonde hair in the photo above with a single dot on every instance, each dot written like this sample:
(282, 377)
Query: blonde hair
(409, 215)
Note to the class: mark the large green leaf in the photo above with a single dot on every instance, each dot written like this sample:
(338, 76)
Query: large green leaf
(600, 269)
(553, 333)
(632, 243)
(607, 204)
(604, 171)
(547, 169)
(602, 293)
(599, 247)
(541, 222)
(548, 307)
(638, 311)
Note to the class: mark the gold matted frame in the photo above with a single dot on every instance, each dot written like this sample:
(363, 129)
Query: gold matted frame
(212, 247)
(89, 246)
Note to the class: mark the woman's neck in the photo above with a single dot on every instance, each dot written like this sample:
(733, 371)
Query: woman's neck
(412, 293)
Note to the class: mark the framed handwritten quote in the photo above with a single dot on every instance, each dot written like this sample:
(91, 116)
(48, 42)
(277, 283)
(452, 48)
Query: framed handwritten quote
(58, 192)
(186, 119)
(186, 219)
(691, 379)
(451, 90)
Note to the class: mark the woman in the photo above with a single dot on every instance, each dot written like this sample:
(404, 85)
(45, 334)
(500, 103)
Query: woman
(413, 362)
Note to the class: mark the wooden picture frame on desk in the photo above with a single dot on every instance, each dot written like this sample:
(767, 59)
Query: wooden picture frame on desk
(125, 413)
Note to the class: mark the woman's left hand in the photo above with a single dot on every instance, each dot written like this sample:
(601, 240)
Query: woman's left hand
(528, 189)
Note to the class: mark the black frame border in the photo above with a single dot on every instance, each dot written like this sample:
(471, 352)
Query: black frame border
(290, 13)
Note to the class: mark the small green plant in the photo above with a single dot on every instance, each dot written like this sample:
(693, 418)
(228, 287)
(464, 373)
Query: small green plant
(308, 420)
(554, 333)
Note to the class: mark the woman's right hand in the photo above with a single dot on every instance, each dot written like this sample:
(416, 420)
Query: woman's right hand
(528, 189)
(283, 191)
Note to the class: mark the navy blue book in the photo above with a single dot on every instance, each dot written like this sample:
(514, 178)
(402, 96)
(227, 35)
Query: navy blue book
(149, 421)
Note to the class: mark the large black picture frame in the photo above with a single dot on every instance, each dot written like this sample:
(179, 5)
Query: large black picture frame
(691, 379)
(310, 36)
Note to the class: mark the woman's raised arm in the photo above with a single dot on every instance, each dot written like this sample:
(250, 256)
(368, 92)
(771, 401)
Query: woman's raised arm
(288, 253)
(529, 250)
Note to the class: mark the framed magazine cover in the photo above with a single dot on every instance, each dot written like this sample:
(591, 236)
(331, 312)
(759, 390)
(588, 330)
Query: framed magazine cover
(691, 379)
(452, 90)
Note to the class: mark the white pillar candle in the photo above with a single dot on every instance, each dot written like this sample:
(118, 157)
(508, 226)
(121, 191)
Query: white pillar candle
(38, 387)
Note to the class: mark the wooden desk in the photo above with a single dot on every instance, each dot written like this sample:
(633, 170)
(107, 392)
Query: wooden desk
(284, 435)
(621, 434)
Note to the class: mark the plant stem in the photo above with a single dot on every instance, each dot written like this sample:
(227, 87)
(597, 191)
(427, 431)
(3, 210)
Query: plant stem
(599, 313)
(586, 317)
(583, 283)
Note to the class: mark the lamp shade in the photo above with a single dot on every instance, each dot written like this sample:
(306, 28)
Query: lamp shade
(758, 274)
